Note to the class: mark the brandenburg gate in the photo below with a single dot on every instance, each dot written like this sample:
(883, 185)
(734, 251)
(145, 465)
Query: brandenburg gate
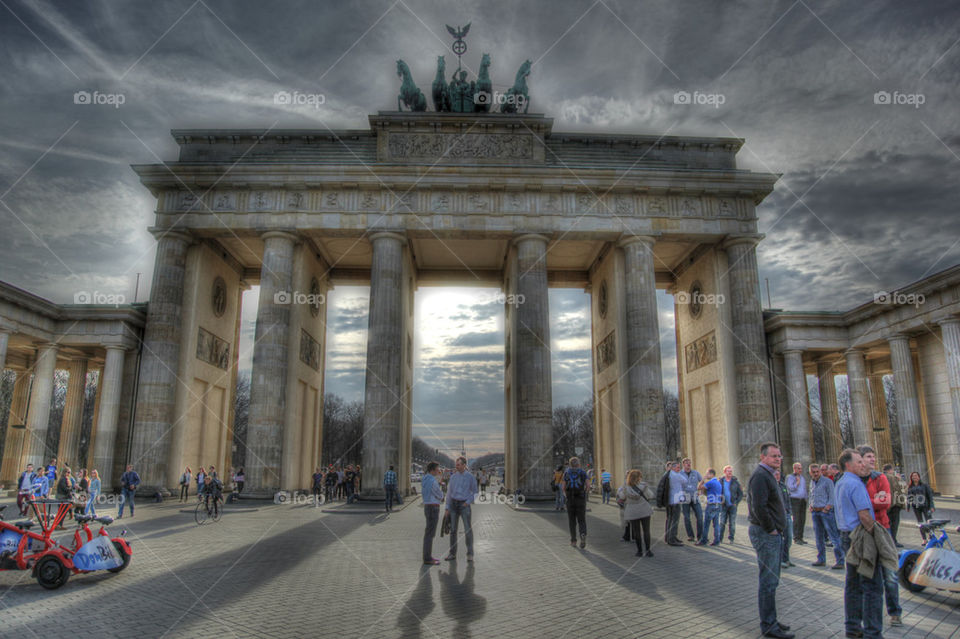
(423, 199)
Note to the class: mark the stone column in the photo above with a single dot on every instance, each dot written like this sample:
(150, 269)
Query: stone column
(73, 415)
(533, 374)
(800, 430)
(383, 392)
(908, 407)
(156, 397)
(41, 396)
(271, 352)
(782, 396)
(832, 439)
(881, 421)
(13, 444)
(754, 403)
(860, 413)
(950, 335)
(4, 341)
(644, 374)
(104, 440)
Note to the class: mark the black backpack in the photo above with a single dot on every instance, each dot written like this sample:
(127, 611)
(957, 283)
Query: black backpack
(663, 489)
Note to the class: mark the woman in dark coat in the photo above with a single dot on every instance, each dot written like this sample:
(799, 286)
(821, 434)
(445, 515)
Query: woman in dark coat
(920, 500)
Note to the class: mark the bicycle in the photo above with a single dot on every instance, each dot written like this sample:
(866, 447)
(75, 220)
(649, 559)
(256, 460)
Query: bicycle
(207, 510)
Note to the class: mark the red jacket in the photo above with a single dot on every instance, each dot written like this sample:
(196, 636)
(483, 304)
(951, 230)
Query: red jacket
(878, 482)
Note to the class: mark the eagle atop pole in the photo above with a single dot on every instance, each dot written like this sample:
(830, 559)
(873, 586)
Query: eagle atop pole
(459, 46)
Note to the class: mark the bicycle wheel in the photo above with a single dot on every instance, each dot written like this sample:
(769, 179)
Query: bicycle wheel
(217, 509)
(201, 514)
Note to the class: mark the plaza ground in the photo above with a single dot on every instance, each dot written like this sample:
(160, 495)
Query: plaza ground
(268, 570)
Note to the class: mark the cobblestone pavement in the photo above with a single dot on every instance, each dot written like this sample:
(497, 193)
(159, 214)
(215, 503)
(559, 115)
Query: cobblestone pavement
(269, 570)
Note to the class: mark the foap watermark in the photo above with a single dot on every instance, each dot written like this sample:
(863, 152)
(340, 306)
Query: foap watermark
(97, 297)
(504, 299)
(896, 298)
(900, 99)
(98, 98)
(298, 499)
(499, 98)
(699, 298)
(504, 500)
(699, 98)
(298, 98)
(299, 297)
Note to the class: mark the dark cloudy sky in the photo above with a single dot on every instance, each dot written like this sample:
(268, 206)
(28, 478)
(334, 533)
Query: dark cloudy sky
(867, 202)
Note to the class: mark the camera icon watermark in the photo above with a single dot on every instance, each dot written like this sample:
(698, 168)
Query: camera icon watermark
(499, 98)
(99, 298)
(95, 97)
(884, 98)
(899, 299)
(699, 98)
(699, 298)
(296, 98)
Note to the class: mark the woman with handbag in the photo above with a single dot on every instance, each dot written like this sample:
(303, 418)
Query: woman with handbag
(558, 503)
(637, 510)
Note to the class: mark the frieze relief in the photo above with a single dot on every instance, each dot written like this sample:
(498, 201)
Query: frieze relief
(478, 146)
(309, 350)
(606, 352)
(701, 352)
(213, 350)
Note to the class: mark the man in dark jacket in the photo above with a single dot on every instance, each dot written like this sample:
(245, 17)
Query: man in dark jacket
(732, 496)
(767, 524)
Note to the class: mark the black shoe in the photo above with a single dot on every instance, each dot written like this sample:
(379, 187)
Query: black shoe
(837, 566)
(898, 545)
(639, 553)
(689, 538)
(784, 627)
(819, 563)
(583, 541)
(854, 634)
(648, 554)
(800, 541)
(778, 634)
(674, 543)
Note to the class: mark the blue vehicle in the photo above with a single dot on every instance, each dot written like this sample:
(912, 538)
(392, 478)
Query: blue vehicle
(937, 565)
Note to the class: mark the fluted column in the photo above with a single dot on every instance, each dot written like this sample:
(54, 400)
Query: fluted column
(533, 376)
(383, 392)
(644, 373)
(13, 444)
(73, 415)
(860, 413)
(782, 396)
(157, 388)
(271, 351)
(105, 437)
(881, 421)
(41, 397)
(832, 438)
(799, 412)
(950, 330)
(754, 402)
(908, 406)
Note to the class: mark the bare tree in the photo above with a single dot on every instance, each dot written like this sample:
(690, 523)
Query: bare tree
(671, 418)
(573, 429)
(241, 417)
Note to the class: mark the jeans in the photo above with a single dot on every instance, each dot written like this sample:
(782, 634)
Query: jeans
(768, 548)
(576, 515)
(90, 510)
(606, 494)
(432, 514)
(862, 598)
(388, 491)
(458, 510)
(894, 515)
(125, 497)
(558, 499)
(728, 513)
(350, 494)
(787, 540)
(825, 527)
(712, 516)
(640, 528)
(798, 510)
(698, 512)
(673, 523)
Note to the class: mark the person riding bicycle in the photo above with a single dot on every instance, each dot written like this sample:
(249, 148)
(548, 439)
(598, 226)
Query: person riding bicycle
(212, 487)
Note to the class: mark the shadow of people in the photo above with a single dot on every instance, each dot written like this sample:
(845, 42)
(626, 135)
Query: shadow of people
(460, 602)
(418, 606)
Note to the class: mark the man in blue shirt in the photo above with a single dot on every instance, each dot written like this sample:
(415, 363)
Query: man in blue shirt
(390, 487)
(129, 482)
(676, 498)
(797, 488)
(432, 498)
(732, 496)
(606, 478)
(461, 492)
(575, 485)
(822, 503)
(693, 479)
(862, 596)
(714, 493)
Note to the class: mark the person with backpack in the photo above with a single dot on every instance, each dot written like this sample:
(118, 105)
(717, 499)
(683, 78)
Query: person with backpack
(24, 488)
(637, 511)
(606, 479)
(575, 485)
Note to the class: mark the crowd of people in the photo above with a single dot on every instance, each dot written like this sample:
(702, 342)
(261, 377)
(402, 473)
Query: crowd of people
(59, 482)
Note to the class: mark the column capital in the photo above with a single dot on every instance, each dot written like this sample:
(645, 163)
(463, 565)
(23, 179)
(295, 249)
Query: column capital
(173, 234)
(293, 237)
(792, 351)
(734, 240)
(383, 235)
(898, 337)
(530, 236)
(47, 347)
(627, 240)
(945, 321)
(854, 350)
(7, 326)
